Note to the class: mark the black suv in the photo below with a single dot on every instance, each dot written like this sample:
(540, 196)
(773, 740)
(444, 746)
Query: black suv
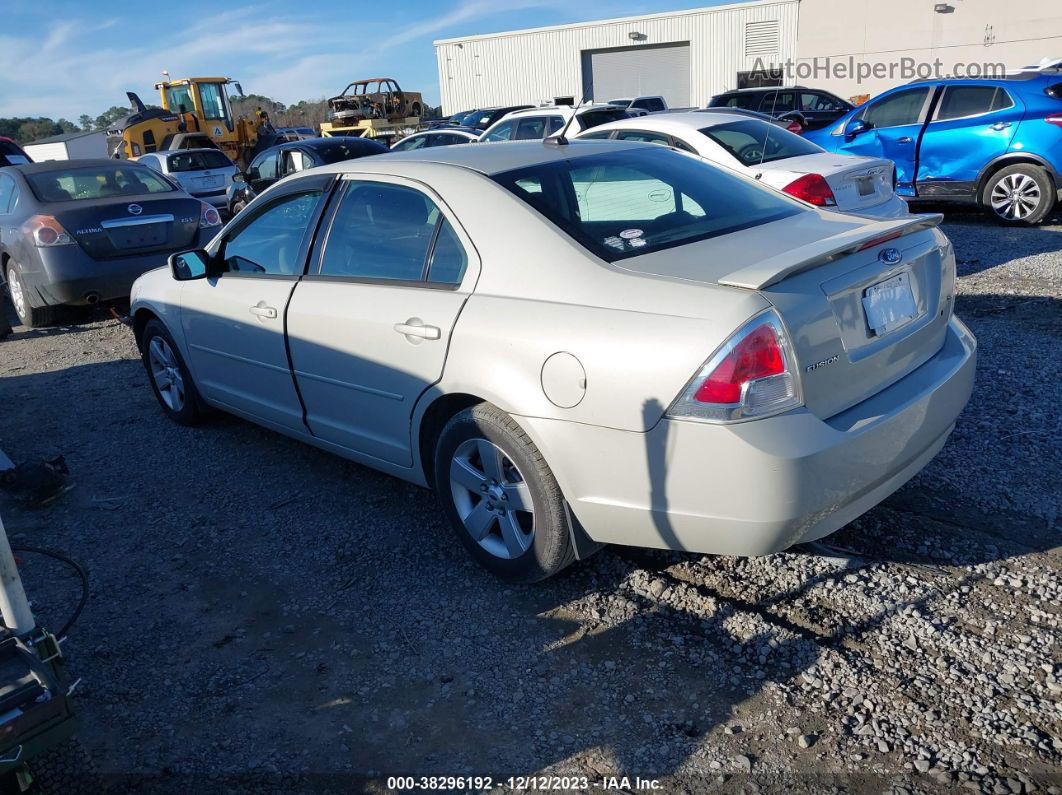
(811, 107)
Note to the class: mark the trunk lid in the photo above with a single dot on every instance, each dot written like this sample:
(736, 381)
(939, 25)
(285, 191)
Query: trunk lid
(131, 225)
(835, 294)
(856, 182)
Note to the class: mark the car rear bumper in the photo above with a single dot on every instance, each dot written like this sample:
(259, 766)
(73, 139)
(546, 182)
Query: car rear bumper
(757, 487)
(68, 275)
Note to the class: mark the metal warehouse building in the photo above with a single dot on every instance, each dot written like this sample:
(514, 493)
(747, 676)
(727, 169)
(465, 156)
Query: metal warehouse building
(689, 56)
(684, 55)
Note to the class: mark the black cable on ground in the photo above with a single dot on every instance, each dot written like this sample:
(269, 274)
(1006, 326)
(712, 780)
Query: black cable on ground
(51, 553)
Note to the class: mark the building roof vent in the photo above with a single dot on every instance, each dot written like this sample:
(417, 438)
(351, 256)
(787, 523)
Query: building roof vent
(761, 38)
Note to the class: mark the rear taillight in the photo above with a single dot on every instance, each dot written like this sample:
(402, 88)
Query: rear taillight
(208, 217)
(813, 189)
(46, 232)
(795, 127)
(752, 375)
(1055, 120)
(877, 241)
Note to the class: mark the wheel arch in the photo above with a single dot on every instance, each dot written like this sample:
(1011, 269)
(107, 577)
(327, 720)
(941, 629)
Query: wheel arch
(141, 317)
(1012, 159)
(436, 414)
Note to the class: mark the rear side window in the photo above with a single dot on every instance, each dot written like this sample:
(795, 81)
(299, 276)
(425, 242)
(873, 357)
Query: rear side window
(814, 101)
(961, 101)
(198, 161)
(96, 182)
(895, 110)
(448, 259)
(531, 129)
(644, 136)
(752, 142)
(744, 101)
(777, 102)
(7, 194)
(640, 200)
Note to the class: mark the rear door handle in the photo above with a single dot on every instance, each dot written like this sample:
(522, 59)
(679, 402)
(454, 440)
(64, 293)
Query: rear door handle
(904, 140)
(414, 327)
(1001, 125)
(261, 310)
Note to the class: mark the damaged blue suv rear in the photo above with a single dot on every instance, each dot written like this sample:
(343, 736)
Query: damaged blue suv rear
(995, 143)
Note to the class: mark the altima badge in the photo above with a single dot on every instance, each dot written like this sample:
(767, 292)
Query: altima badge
(135, 209)
(890, 256)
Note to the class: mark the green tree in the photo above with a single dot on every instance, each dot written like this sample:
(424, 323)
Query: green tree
(86, 122)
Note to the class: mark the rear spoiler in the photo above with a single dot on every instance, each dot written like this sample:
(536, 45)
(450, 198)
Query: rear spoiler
(781, 266)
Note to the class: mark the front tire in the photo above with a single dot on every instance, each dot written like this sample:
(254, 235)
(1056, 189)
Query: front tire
(168, 375)
(1019, 195)
(501, 497)
(29, 315)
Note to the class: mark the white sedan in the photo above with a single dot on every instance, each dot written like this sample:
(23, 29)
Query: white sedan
(574, 344)
(776, 157)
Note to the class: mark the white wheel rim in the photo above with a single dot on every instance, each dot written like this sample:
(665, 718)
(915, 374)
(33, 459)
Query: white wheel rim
(15, 288)
(1015, 197)
(166, 373)
(492, 499)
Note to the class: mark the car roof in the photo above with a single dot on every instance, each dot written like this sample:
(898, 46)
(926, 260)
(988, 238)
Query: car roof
(493, 158)
(62, 165)
(672, 122)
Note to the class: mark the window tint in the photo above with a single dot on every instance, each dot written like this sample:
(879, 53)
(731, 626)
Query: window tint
(340, 149)
(636, 202)
(531, 129)
(822, 102)
(752, 141)
(777, 102)
(592, 118)
(647, 137)
(380, 232)
(271, 241)
(448, 139)
(960, 101)
(502, 132)
(448, 258)
(96, 182)
(198, 161)
(749, 101)
(7, 194)
(903, 107)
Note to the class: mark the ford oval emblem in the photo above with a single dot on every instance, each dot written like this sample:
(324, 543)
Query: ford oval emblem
(135, 209)
(890, 256)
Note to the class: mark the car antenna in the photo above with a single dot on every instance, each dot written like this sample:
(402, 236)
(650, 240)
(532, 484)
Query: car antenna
(767, 134)
(559, 139)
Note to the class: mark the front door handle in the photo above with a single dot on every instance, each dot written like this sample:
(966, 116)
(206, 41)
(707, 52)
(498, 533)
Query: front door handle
(261, 310)
(904, 140)
(1001, 125)
(414, 327)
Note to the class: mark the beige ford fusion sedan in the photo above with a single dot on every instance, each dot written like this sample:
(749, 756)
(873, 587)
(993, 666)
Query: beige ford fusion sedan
(575, 344)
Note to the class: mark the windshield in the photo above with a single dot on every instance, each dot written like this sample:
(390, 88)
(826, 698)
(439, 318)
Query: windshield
(96, 182)
(644, 199)
(620, 103)
(198, 161)
(177, 96)
(753, 142)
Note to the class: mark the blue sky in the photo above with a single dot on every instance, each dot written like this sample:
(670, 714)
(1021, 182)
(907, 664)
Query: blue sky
(61, 58)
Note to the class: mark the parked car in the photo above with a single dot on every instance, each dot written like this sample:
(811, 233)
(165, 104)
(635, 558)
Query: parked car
(994, 143)
(283, 159)
(640, 106)
(11, 154)
(598, 342)
(774, 156)
(374, 98)
(483, 118)
(538, 123)
(203, 173)
(81, 231)
(445, 136)
(793, 125)
(813, 108)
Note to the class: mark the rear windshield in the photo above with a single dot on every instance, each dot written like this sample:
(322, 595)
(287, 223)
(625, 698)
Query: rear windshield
(752, 142)
(643, 199)
(198, 161)
(592, 118)
(96, 182)
(348, 150)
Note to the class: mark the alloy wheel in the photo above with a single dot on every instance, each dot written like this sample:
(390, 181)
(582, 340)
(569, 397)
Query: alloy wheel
(166, 373)
(1015, 197)
(492, 498)
(18, 298)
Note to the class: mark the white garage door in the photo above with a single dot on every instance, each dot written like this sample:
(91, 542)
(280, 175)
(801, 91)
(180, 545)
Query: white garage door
(639, 71)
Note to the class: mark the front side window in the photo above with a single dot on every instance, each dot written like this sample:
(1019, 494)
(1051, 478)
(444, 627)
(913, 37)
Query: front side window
(896, 110)
(814, 101)
(270, 243)
(643, 200)
(96, 182)
(531, 129)
(500, 132)
(265, 167)
(380, 231)
(961, 101)
(753, 142)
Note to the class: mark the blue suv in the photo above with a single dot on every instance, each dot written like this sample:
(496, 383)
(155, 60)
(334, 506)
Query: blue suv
(996, 143)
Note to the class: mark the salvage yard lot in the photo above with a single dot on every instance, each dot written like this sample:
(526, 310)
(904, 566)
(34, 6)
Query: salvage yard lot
(262, 609)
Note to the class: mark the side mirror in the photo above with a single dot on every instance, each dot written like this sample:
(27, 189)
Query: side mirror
(250, 174)
(854, 128)
(189, 265)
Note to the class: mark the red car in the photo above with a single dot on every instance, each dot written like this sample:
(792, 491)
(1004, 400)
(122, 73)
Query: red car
(11, 153)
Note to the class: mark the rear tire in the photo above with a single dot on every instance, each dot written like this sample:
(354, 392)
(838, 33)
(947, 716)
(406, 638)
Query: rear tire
(1019, 195)
(504, 503)
(168, 375)
(29, 315)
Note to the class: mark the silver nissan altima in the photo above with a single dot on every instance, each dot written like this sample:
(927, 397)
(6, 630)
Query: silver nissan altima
(575, 344)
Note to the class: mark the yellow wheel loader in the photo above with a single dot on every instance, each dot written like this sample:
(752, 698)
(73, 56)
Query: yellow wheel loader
(195, 113)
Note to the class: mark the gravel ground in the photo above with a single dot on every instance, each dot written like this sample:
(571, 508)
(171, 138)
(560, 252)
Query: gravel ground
(266, 617)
